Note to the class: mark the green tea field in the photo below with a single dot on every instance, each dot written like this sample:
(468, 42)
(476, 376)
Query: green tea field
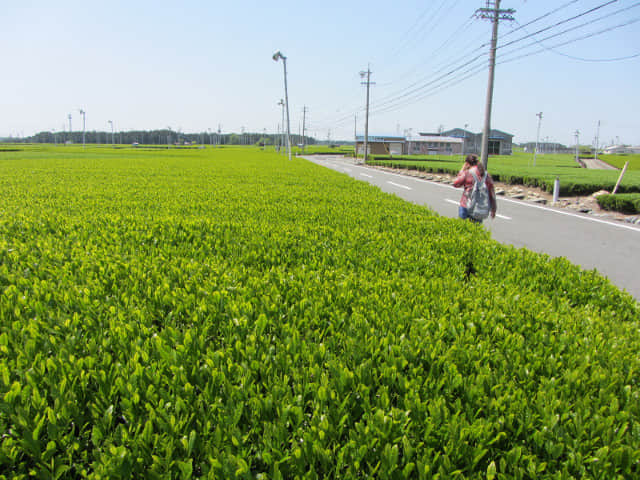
(519, 169)
(228, 313)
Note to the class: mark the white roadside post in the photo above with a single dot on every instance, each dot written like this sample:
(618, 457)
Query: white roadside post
(556, 190)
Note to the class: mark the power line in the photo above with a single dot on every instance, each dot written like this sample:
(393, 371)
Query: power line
(582, 59)
(407, 41)
(584, 37)
(540, 17)
(562, 22)
(456, 74)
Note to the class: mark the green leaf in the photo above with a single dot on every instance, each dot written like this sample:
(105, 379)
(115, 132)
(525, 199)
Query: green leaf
(491, 471)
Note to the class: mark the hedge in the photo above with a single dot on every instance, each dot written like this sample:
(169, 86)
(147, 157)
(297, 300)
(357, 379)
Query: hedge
(623, 202)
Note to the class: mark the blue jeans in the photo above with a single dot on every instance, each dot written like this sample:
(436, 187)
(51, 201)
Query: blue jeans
(463, 213)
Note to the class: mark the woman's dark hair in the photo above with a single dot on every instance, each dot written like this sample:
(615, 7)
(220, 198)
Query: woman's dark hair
(473, 161)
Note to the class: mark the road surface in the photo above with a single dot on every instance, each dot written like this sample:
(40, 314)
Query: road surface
(611, 247)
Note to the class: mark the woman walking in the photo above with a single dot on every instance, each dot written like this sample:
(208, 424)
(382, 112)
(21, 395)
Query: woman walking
(471, 173)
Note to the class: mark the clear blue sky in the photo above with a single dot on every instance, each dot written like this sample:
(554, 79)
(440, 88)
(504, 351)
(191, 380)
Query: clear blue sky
(194, 65)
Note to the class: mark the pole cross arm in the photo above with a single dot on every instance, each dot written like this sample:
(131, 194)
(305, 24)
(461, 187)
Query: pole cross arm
(490, 13)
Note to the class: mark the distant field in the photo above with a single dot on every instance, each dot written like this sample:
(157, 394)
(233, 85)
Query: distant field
(619, 160)
(518, 169)
(228, 313)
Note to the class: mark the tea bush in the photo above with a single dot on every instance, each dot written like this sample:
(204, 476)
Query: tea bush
(621, 202)
(233, 314)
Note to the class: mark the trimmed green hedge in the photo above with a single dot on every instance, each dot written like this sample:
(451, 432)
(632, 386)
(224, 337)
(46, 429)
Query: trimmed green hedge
(228, 313)
(622, 202)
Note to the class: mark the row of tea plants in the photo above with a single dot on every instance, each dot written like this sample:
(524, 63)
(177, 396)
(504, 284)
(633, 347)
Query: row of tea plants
(232, 314)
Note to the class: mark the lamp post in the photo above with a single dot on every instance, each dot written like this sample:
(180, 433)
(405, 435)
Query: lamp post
(277, 56)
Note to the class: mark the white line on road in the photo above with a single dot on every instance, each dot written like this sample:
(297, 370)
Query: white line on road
(517, 202)
(569, 214)
(365, 175)
(525, 204)
(399, 185)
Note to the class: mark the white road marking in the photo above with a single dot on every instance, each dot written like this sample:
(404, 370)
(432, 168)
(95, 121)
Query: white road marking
(399, 185)
(569, 214)
(365, 175)
(517, 202)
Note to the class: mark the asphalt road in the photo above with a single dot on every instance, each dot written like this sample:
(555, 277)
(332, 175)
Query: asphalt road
(610, 247)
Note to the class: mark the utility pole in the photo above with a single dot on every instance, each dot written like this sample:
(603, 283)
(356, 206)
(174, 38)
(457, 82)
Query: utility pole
(595, 150)
(84, 116)
(112, 140)
(577, 134)
(70, 129)
(355, 136)
(464, 141)
(491, 11)
(535, 152)
(304, 113)
(366, 118)
(281, 103)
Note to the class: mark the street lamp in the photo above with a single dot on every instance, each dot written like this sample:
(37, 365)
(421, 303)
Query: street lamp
(277, 56)
(84, 117)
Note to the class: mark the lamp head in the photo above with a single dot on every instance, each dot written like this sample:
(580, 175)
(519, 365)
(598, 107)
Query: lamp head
(278, 55)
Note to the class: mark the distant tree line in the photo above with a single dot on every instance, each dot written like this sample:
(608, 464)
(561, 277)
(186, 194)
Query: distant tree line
(160, 137)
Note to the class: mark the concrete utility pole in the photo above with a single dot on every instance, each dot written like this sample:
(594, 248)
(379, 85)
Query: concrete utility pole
(464, 140)
(491, 11)
(535, 152)
(597, 141)
(281, 103)
(366, 118)
(355, 135)
(304, 114)
(70, 129)
(84, 116)
(112, 140)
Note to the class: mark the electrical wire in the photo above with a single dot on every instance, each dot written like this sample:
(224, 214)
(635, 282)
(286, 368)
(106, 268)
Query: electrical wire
(562, 22)
(475, 70)
(540, 18)
(584, 37)
(414, 93)
(592, 60)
